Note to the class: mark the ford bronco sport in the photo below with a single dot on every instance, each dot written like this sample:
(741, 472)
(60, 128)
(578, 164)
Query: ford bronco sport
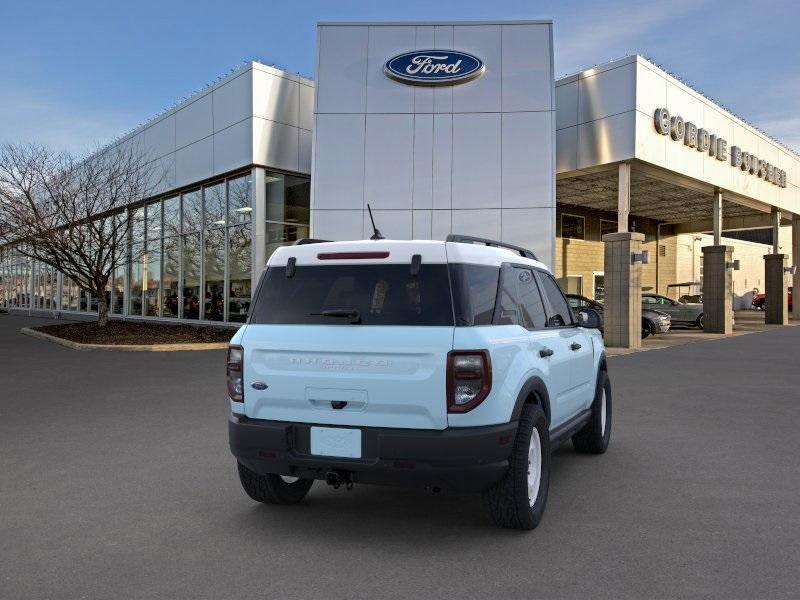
(452, 365)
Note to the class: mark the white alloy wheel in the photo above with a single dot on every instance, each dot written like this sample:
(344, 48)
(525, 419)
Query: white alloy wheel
(603, 413)
(290, 479)
(534, 466)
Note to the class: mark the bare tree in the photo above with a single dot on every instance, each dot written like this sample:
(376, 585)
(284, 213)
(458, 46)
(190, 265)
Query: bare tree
(70, 213)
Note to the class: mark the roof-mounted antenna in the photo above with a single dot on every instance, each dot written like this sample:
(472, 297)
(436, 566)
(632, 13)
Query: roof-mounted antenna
(377, 235)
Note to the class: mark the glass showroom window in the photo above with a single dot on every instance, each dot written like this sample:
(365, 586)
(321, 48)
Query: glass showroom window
(172, 216)
(239, 209)
(74, 292)
(191, 276)
(239, 248)
(214, 205)
(239, 273)
(151, 261)
(170, 276)
(214, 271)
(288, 209)
(118, 291)
(135, 284)
(65, 293)
(191, 221)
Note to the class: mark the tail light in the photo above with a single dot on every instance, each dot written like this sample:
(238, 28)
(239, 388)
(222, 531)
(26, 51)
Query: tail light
(469, 379)
(234, 372)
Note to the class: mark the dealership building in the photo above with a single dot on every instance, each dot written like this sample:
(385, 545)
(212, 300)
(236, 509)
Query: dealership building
(621, 177)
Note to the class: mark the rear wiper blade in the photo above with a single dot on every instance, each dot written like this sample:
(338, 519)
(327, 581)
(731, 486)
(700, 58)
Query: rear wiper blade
(344, 313)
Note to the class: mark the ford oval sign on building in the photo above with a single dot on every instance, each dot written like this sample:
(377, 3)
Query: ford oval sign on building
(434, 67)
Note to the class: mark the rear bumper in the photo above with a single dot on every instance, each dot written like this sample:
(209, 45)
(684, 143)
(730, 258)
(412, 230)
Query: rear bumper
(463, 459)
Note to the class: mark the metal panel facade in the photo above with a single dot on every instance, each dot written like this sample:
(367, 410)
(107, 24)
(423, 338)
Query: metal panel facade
(606, 114)
(436, 160)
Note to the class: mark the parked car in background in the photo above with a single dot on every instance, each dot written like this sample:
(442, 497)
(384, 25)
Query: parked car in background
(681, 313)
(760, 300)
(653, 321)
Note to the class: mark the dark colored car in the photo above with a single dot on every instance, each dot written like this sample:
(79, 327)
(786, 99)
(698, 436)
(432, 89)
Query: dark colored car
(653, 321)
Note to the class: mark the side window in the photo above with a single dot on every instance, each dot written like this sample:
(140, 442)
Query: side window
(649, 300)
(559, 315)
(508, 302)
(520, 301)
(531, 305)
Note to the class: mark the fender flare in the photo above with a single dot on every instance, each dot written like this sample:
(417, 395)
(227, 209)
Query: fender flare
(534, 385)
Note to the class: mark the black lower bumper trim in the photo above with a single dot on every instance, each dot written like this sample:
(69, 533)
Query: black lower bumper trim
(460, 459)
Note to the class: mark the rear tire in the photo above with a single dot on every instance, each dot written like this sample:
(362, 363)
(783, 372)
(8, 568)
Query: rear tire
(596, 434)
(518, 500)
(273, 489)
(646, 331)
(699, 321)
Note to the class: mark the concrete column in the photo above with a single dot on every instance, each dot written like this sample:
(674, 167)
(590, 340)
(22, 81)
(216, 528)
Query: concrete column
(258, 199)
(717, 217)
(622, 315)
(776, 289)
(776, 231)
(717, 290)
(796, 263)
(623, 197)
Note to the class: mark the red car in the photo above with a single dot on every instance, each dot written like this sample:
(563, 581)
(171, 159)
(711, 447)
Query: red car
(760, 300)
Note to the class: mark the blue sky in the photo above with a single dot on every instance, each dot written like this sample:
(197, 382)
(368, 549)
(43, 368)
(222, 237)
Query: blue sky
(75, 74)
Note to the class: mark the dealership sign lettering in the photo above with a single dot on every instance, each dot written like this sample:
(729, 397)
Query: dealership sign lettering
(434, 67)
(706, 142)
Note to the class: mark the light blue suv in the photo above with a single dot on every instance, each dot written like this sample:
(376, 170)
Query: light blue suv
(450, 365)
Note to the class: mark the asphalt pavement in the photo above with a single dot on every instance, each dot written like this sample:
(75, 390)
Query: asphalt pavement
(116, 482)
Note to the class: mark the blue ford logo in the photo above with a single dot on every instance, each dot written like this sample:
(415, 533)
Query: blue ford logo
(434, 67)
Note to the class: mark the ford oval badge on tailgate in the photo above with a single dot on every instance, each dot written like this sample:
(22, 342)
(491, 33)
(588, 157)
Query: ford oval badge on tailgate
(434, 67)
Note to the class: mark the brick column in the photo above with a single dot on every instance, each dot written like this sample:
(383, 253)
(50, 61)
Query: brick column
(717, 290)
(777, 312)
(622, 314)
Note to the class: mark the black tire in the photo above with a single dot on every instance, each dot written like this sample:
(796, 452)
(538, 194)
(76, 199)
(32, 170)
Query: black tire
(699, 321)
(646, 330)
(271, 489)
(594, 437)
(508, 500)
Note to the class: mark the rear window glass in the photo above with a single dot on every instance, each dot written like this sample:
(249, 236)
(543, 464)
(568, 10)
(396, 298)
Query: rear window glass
(343, 294)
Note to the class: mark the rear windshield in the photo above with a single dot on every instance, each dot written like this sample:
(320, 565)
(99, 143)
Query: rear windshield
(371, 294)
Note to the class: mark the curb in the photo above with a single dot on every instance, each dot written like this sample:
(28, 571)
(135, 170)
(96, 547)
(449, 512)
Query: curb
(124, 347)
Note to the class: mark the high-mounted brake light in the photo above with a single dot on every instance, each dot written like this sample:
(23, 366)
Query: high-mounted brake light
(469, 379)
(234, 371)
(351, 255)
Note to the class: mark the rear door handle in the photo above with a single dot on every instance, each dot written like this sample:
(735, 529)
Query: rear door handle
(545, 352)
(574, 346)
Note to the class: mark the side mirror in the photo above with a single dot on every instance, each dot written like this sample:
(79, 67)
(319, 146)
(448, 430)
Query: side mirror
(589, 318)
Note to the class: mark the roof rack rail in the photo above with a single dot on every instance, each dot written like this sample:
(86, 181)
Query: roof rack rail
(305, 241)
(468, 239)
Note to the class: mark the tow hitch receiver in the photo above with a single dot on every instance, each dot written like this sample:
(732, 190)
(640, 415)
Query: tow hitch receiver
(339, 478)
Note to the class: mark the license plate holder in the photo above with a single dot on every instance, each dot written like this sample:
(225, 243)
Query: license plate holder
(336, 441)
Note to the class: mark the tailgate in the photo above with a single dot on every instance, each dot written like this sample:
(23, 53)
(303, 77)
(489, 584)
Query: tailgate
(372, 376)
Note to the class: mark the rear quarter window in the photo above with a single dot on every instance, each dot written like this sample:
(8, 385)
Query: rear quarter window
(474, 293)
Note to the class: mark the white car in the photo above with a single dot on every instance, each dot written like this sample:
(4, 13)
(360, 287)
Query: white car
(453, 365)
